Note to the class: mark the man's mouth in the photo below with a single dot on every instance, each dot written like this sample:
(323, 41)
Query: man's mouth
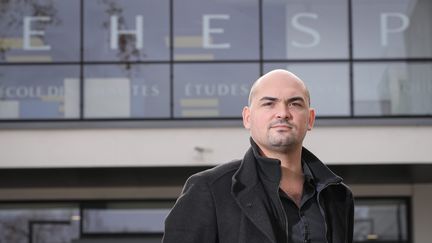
(281, 125)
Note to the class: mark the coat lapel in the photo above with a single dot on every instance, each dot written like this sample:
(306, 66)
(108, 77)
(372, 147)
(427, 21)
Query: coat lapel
(251, 197)
(254, 208)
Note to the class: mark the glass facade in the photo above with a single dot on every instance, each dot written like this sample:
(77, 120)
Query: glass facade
(126, 30)
(39, 31)
(381, 220)
(212, 90)
(145, 217)
(393, 88)
(163, 59)
(392, 28)
(308, 29)
(375, 220)
(39, 222)
(216, 30)
(329, 93)
(138, 91)
(39, 91)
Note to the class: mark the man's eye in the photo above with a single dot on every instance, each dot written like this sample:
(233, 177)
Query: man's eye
(267, 104)
(295, 104)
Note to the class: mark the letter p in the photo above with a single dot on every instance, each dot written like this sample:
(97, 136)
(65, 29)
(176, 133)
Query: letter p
(386, 30)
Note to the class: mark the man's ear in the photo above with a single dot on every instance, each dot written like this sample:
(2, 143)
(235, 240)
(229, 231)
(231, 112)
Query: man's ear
(311, 120)
(246, 117)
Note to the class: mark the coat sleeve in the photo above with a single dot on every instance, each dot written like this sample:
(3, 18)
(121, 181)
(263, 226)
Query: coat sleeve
(192, 219)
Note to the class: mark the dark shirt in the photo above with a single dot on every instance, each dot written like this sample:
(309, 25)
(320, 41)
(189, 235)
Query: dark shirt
(305, 223)
(300, 225)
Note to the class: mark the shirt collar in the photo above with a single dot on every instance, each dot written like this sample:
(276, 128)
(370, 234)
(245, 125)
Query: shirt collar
(270, 169)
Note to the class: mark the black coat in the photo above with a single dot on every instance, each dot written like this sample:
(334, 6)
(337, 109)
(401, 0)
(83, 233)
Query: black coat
(228, 204)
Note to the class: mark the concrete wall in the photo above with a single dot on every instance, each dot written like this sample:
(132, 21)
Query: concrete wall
(202, 146)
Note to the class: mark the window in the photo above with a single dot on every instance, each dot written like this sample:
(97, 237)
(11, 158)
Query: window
(307, 29)
(51, 94)
(83, 222)
(127, 91)
(328, 85)
(125, 217)
(39, 222)
(39, 31)
(126, 30)
(216, 30)
(212, 90)
(392, 29)
(381, 220)
(393, 88)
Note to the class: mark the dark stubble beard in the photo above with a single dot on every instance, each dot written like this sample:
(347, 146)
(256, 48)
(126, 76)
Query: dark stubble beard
(282, 142)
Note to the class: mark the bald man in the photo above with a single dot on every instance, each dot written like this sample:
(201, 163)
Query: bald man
(278, 192)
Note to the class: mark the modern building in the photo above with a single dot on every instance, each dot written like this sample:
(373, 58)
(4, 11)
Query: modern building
(107, 106)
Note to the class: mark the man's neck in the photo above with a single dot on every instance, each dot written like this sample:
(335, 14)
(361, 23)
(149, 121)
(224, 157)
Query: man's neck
(290, 159)
(292, 179)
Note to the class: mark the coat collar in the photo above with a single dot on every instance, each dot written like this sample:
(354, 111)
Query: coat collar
(247, 174)
(250, 195)
(322, 175)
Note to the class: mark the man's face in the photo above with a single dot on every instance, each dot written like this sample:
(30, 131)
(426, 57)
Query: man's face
(279, 114)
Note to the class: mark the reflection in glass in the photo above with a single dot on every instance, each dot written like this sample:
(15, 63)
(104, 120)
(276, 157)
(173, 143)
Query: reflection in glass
(397, 28)
(216, 30)
(380, 220)
(124, 220)
(126, 217)
(307, 29)
(127, 91)
(212, 90)
(126, 30)
(328, 85)
(48, 223)
(393, 89)
(39, 31)
(39, 92)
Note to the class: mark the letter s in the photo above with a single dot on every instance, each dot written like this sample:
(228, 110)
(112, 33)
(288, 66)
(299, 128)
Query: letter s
(315, 35)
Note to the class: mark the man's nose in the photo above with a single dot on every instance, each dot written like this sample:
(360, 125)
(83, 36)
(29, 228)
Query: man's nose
(283, 112)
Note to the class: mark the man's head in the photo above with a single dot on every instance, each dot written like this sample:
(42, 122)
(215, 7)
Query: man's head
(279, 113)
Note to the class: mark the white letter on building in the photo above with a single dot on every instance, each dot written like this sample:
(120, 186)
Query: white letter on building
(384, 25)
(138, 32)
(28, 32)
(315, 35)
(207, 31)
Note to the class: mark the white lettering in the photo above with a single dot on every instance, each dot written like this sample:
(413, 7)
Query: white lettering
(144, 90)
(26, 92)
(187, 89)
(224, 90)
(244, 90)
(385, 30)
(295, 21)
(55, 91)
(135, 90)
(28, 32)
(155, 90)
(207, 43)
(220, 89)
(115, 32)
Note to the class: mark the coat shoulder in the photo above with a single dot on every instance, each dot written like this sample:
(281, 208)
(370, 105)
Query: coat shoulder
(213, 175)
